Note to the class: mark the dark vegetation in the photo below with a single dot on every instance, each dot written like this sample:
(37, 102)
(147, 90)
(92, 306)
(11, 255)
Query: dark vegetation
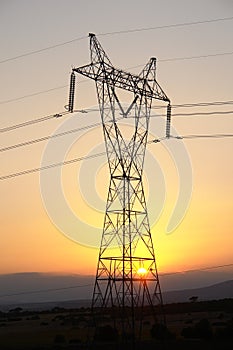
(191, 325)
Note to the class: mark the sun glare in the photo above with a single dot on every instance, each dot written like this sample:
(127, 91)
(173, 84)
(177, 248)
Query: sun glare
(141, 271)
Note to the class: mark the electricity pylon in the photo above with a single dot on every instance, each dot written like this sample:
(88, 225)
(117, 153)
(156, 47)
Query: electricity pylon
(127, 279)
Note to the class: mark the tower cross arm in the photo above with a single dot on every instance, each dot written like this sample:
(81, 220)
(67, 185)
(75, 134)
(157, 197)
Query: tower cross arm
(106, 73)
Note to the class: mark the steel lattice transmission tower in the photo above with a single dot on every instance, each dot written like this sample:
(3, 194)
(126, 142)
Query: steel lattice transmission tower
(127, 278)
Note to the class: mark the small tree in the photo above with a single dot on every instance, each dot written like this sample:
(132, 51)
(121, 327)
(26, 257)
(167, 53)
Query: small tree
(193, 299)
(16, 310)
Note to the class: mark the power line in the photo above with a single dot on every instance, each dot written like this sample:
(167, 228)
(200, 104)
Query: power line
(45, 138)
(198, 104)
(46, 290)
(75, 160)
(33, 94)
(38, 120)
(181, 137)
(200, 113)
(194, 114)
(197, 270)
(33, 121)
(140, 65)
(187, 58)
(216, 136)
(87, 110)
(166, 26)
(196, 57)
(91, 284)
(46, 167)
(48, 137)
(38, 93)
(174, 25)
(43, 49)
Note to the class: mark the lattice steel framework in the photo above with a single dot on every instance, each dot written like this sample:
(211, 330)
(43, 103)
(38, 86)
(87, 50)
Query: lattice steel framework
(127, 278)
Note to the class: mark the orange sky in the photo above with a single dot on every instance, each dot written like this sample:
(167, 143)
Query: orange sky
(29, 240)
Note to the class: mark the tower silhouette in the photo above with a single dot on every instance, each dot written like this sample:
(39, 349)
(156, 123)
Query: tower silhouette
(127, 283)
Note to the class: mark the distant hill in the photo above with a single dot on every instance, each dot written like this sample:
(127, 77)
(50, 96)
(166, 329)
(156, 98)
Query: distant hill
(216, 291)
(44, 287)
(28, 288)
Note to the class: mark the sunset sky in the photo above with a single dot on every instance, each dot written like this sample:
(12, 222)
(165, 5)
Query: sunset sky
(31, 239)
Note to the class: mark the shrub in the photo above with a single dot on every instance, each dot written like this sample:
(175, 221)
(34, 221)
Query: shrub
(160, 331)
(203, 329)
(59, 338)
(106, 333)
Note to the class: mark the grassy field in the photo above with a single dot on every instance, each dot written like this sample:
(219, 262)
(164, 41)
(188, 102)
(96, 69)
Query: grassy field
(199, 325)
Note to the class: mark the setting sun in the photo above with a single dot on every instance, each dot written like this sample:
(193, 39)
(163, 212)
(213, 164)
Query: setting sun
(142, 271)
